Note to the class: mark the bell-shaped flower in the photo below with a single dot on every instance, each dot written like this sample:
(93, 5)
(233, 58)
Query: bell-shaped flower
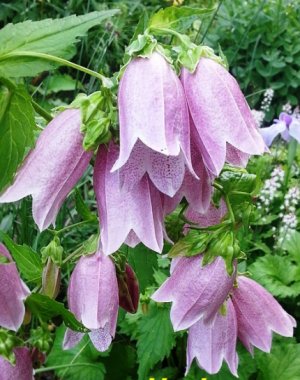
(126, 216)
(93, 298)
(220, 115)
(154, 125)
(22, 370)
(52, 168)
(212, 344)
(258, 314)
(197, 191)
(287, 125)
(195, 291)
(13, 292)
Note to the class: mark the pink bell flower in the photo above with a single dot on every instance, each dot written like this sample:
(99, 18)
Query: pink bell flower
(154, 125)
(13, 292)
(93, 298)
(51, 169)
(22, 370)
(225, 127)
(126, 216)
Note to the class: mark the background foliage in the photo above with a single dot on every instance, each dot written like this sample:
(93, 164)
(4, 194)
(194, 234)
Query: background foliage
(261, 40)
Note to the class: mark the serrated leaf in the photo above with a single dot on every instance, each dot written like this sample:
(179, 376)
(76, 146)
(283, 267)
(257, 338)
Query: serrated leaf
(143, 261)
(156, 338)
(46, 308)
(177, 18)
(282, 363)
(277, 274)
(28, 262)
(16, 132)
(81, 362)
(51, 36)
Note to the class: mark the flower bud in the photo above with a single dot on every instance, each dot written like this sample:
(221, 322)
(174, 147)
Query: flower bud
(128, 289)
(51, 279)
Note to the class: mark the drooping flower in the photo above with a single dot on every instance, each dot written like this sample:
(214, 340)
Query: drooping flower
(210, 345)
(13, 292)
(154, 126)
(221, 116)
(258, 314)
(287, 125)
(52, 168)
(126, 216)
(251, 314)
(195, 291)
(22, 370)
(93, 298)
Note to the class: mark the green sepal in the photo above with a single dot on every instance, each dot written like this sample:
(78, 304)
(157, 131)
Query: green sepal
(54, 251)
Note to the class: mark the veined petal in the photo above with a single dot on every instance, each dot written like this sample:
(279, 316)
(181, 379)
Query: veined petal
(258, 314)
(71, 339)
(126, 216)
(93, 298)
(196, 291)
(210, 345)
(13, 292)
(271, 132)
(220, 113)
(294, 129)
(52, 168)
(152, 109)
(22, 370)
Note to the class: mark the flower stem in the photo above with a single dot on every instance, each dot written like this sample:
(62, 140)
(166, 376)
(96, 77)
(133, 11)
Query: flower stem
(48, 57)
(41, 111)
(70, 227)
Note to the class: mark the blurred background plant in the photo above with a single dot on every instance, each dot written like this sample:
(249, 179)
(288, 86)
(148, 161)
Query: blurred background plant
(261, 40)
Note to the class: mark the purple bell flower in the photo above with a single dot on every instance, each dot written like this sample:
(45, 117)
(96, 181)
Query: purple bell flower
(22, 370)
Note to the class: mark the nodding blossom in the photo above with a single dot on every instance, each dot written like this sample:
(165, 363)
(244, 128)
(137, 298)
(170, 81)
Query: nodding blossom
(288, 126)
(154, 125)
(13, 292)
(220, 116)
(51, 169)
(93, 298)
(250, 314)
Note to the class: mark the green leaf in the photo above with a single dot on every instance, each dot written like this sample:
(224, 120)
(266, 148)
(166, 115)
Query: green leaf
(143, 261)
(81, 362)
(125, 356)
(177, 18)
(54, 37)
(292, 245)
(16, 131)
(282, 363)
(82, 208)
(28, 262)
(232, 180)
(277, 274)
(156, 338)
(46, 308)
(60, 82)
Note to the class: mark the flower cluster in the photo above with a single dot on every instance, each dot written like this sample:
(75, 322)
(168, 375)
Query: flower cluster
(259, 115)
(176, 134)
(271, 188)
(217, 309)
(289, 219)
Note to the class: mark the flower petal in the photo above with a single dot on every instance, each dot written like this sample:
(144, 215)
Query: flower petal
(13, 292)
(126, 216)
(270, 133)
(220, 113)
(294, 129)
(52, 168)
(210, 345)
(258, 314)
(71, 339)
(195, 291)
(22, 370)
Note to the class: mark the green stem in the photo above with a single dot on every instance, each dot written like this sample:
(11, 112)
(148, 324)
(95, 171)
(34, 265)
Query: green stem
(41, 111)
(181, 37)
(62, 366)
(292, 151)
(70, 227)
(48, 57)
